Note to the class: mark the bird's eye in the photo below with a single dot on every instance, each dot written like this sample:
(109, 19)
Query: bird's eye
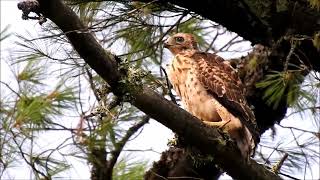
(179, 39)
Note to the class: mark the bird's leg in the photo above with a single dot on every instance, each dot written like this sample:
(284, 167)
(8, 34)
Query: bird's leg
(219, 124)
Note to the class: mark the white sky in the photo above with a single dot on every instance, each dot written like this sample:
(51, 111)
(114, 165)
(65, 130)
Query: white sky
(154, 136)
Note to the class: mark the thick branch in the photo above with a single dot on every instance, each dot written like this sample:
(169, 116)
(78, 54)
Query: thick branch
(257, 21)
(224, 12)
(207, 139)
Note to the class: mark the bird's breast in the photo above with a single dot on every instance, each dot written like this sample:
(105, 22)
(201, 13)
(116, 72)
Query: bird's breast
(182, 73)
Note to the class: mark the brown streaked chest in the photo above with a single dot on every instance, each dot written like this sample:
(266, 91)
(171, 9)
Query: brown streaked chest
(182, 73)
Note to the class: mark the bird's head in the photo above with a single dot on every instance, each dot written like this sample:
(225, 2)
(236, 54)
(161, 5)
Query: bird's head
(181, 42)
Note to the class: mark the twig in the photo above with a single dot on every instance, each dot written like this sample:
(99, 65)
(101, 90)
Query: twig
(302, 152)
(31, 164)
(228, 43)
(298, 129)
(119, 146)
(92, 85)
(8, 86)
(292, 48)
(276, 168)
(286, 175)
(173, 99)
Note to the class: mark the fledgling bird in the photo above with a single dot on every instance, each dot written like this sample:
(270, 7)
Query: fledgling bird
(211, 90)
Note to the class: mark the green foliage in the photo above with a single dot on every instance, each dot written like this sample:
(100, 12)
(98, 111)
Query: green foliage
(32, 110)
(315, 4)
(263, 8)
(282, 5)
(253, 63)
(281, 87)
(316, 40)
(86, 10)
(32, 72)
(49, 165)
(36, 107)
(30, 107)
(140, 45)
(125, 170)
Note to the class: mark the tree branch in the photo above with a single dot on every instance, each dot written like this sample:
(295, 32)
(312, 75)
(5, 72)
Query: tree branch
(262, 22)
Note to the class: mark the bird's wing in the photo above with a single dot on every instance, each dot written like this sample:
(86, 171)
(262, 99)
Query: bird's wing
(222, 81)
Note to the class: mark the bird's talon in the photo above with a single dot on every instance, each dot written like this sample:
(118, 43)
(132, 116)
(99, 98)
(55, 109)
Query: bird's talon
(219, 124)
(224, 124)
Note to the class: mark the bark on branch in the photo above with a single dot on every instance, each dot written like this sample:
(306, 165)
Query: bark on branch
(207, 139)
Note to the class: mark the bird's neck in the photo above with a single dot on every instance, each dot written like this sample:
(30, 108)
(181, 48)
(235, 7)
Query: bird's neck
(187, 52)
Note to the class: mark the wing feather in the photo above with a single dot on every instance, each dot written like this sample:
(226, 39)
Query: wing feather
(223, 83)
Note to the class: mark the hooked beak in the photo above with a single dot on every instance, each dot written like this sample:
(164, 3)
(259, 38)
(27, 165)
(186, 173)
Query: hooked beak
(166, 43)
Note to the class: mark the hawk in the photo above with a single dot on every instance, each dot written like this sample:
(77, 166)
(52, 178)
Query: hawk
(211, 90)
